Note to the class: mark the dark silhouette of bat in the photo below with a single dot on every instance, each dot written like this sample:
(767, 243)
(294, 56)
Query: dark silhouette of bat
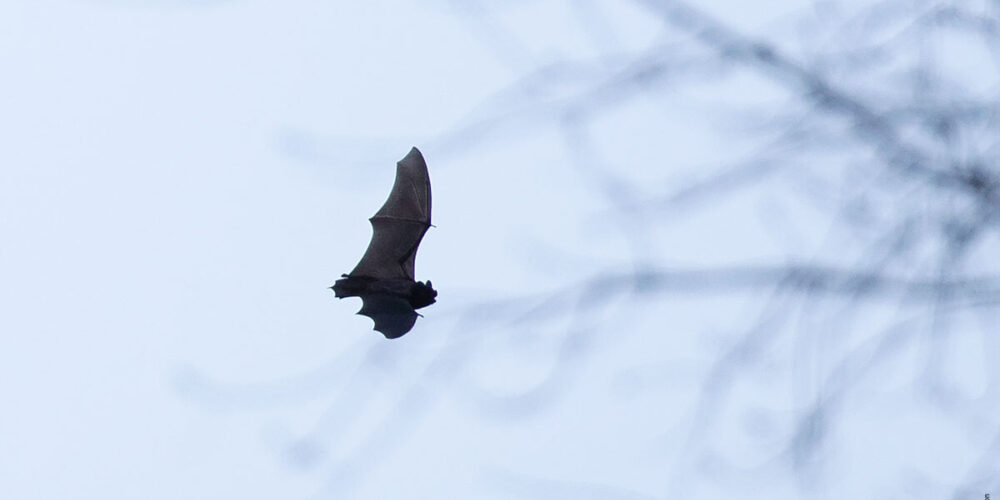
(384, 276)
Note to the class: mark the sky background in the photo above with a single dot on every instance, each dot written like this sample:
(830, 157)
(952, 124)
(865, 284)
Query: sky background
(181, 180)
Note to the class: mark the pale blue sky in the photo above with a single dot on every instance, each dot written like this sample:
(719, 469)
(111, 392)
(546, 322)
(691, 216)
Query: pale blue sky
(180, 181)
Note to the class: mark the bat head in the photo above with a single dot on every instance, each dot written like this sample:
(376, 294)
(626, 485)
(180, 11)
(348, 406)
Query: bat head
(422, 294)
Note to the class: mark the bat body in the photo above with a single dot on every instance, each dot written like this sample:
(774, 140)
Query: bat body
(384, 278)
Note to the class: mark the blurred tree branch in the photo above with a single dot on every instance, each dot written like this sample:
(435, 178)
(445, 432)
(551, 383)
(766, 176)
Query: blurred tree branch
(935, 167)
(899, 148)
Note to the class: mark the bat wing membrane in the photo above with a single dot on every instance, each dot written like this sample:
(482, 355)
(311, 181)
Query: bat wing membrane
(393, 316)
(400, 224)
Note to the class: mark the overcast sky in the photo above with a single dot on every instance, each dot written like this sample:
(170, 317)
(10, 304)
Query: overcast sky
(180, 180)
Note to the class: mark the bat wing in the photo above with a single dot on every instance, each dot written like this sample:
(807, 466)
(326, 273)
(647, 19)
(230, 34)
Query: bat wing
(393, 315)
(400, 224)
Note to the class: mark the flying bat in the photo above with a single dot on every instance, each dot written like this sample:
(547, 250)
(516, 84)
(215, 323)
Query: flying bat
(384, 277)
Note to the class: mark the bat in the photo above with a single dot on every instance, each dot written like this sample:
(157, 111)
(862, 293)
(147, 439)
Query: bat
(384, 278)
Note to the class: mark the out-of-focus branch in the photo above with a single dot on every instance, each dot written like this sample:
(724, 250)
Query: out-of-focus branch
(870, 126)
